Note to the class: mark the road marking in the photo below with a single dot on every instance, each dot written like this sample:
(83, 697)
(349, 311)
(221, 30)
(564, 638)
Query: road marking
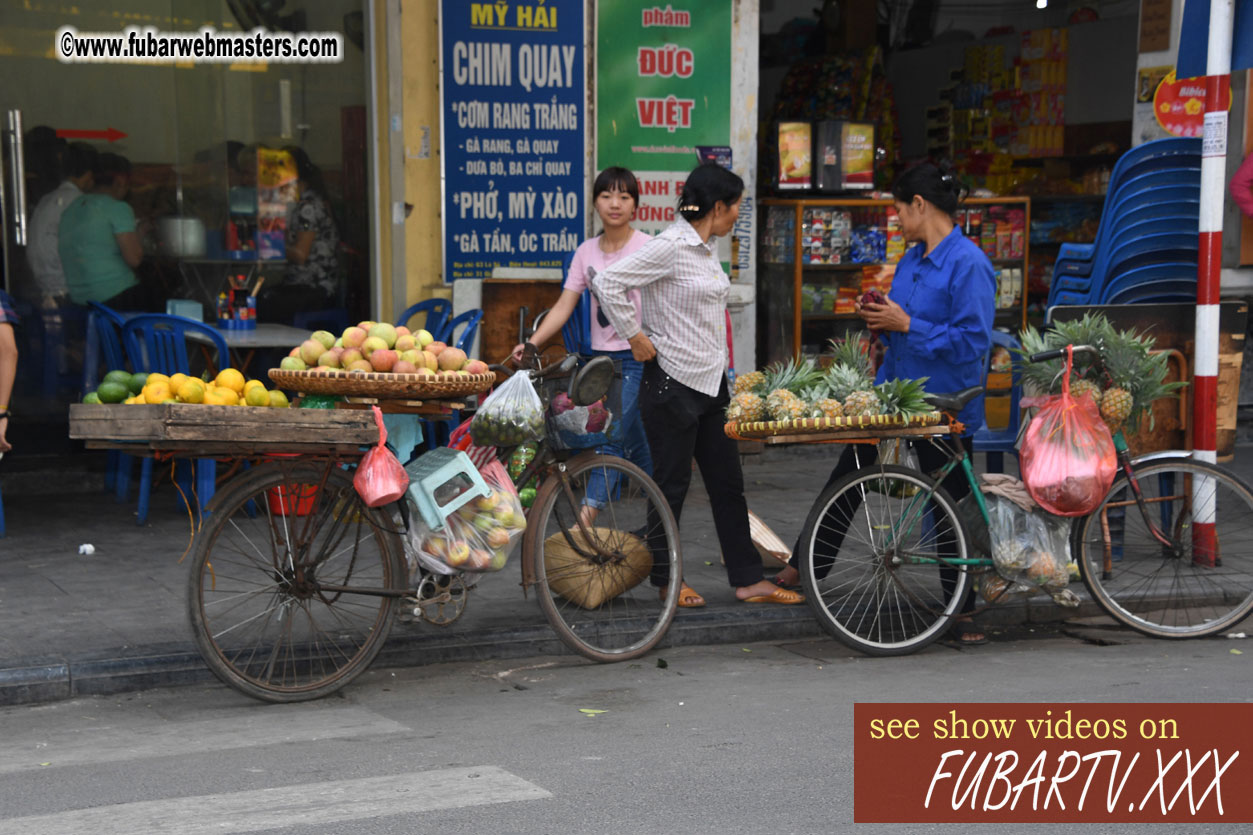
(115, 741)
(309, 804)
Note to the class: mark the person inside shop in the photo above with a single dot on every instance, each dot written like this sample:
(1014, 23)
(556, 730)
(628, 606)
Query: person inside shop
(42, 253)
(8, 365)
(98, 242)
(681, 338)
(615, 194)
(313, 279)
(936, 323)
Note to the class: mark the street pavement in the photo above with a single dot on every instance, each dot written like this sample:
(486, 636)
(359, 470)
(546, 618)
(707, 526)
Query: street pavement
(115, 620)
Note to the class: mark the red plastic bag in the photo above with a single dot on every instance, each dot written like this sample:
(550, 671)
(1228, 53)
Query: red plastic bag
(1068, 460)
(380, 479)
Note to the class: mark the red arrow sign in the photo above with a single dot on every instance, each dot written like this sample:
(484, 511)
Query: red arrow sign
(108, 134)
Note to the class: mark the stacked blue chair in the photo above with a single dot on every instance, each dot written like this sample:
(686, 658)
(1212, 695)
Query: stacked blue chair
(437, 434)
(157, 342)
(104, 343)
(436, 311)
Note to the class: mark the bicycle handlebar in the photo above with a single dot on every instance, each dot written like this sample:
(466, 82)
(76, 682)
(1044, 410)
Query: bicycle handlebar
(1045, 356)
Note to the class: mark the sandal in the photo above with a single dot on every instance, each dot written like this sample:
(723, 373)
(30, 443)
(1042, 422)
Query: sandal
(779, 595)
(965, 633)
(688, 598)
(789, 586)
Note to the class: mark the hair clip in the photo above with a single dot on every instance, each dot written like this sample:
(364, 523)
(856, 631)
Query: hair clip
(947, 178)
(689, 208)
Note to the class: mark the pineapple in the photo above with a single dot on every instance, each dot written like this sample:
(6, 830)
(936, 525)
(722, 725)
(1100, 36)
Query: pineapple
(1080, 387)
(905, 398)
(1116, 404)
(862, 403)
(854, 353)
(785, 405)
(843, 380)
(752, 383)
(821, 404)
(747, 407)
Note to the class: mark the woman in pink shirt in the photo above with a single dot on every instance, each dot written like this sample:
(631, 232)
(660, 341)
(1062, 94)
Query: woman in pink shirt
(615, 194)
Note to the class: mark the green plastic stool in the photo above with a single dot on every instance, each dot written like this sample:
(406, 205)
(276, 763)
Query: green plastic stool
(441, 481)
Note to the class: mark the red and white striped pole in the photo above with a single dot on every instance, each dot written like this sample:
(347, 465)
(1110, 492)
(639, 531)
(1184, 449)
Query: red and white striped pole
(1209, 264)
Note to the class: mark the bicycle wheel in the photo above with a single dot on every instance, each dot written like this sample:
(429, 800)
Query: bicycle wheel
(595, 588)
(873, 560)
(1170, 591)
(285, 593)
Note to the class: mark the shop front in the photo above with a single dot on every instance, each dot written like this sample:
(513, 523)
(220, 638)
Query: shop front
(225, 163)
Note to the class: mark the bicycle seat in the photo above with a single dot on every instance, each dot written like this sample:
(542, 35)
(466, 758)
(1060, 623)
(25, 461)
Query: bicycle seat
(955, 401)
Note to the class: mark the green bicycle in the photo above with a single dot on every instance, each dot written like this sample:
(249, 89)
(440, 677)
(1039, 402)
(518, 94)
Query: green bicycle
(886, 557)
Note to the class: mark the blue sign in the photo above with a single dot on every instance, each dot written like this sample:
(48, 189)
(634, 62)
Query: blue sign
(513, 93)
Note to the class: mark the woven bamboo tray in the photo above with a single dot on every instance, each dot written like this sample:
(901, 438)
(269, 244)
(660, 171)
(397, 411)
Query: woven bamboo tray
(383, 386)
(813, 426)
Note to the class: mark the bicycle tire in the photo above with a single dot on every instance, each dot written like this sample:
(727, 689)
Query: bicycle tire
(266, 624)
(1161, 592)
(566, 570)
(867, 599)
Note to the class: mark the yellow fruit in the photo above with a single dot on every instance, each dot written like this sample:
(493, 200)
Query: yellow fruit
(252, 384)
(176, 381)
(157, 392)
(231, 379)
(278, 400)
(212, 398)
(191, 391)
(257, 396)
(156, 378)
(228, 396)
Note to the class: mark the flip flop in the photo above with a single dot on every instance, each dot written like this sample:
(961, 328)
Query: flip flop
(966, 634)
(779, 595)
(789, 586)
(688, 597)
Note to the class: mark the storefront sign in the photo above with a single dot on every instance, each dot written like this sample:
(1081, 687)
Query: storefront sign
(513, 150)
(1179, 105)
(663, 90)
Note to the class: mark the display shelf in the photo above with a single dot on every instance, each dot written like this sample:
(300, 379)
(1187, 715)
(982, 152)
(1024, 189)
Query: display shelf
(800, 289)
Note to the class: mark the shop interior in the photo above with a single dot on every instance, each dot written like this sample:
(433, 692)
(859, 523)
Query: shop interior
(1023, 101)
(212, 149)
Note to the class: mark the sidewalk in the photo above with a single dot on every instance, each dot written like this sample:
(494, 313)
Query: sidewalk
(116, 620)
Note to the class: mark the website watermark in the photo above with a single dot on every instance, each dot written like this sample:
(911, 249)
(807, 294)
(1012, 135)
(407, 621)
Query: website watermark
(150, 45)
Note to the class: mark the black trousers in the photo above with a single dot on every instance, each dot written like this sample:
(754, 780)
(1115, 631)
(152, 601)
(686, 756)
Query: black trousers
(683, 424)
(930, 459)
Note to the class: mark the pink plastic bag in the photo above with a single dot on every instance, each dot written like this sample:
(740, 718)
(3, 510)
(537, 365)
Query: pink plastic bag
(380, 479)
(1068, 460)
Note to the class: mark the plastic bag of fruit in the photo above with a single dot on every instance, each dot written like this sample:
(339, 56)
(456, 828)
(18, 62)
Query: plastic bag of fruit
(1067, 457)
(380, 480)
(479, 536)
(511, 415)
(1029, 550)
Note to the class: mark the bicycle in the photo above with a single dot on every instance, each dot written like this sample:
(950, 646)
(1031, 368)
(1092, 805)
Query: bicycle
(294, 581)
(1151, 554)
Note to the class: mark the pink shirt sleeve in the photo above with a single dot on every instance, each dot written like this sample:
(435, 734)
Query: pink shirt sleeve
(1241, 187)
(576, 281)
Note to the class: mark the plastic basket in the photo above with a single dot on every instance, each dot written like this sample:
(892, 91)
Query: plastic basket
(295, 501)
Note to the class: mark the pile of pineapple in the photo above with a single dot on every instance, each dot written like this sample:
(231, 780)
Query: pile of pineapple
(1133, 378)
(799, 389)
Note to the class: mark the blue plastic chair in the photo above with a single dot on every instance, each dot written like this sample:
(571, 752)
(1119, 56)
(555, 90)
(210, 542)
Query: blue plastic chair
(469, 322)
(1155, 292)
(156, 342)
(1130, 252)
(104, 342)
(436, 311)
(1180, 274)
(334, 319)
(997, 442)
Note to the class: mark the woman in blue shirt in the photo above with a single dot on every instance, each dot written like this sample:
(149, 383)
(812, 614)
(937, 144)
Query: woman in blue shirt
(936, 323)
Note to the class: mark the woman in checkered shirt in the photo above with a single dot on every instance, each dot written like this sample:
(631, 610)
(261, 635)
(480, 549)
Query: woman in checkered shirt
(682, 340)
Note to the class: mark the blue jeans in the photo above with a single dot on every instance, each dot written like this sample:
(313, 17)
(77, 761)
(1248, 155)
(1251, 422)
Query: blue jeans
(634, 446)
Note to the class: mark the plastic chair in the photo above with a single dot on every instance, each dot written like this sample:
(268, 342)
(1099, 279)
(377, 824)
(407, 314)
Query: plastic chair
(997, 442)
(158, 343)
(436, 311)
(1179, 274)
(334, 319)
(469, 321)
(1135, 250)
(104, 341)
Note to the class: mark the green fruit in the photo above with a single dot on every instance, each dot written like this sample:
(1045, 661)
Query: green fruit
(117, 375)
(113, 392)
(91, 397)
(527, 496)
(137, 381)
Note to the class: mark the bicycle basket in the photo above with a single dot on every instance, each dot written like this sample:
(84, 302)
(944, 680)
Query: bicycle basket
(583, 427)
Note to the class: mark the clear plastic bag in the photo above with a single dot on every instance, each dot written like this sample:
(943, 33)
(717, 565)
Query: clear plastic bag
(1068, 461)
(1030, 551)
(511, 415)
(380, 479)
(479, 536)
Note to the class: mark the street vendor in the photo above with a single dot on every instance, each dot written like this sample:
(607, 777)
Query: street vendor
(682, 342)
(936, 323)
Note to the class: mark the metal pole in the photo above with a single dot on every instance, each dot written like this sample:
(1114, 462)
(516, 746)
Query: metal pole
(1205, 360)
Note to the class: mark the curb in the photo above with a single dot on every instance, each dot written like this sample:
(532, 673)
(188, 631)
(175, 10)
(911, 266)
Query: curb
(53, 678)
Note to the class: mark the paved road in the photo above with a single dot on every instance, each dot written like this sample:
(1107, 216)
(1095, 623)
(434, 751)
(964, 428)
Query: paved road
(754, 738)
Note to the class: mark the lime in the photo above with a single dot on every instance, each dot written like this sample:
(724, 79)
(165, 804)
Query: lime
(91, 397)
(118, 375)
(112, 392)
(136, 382)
